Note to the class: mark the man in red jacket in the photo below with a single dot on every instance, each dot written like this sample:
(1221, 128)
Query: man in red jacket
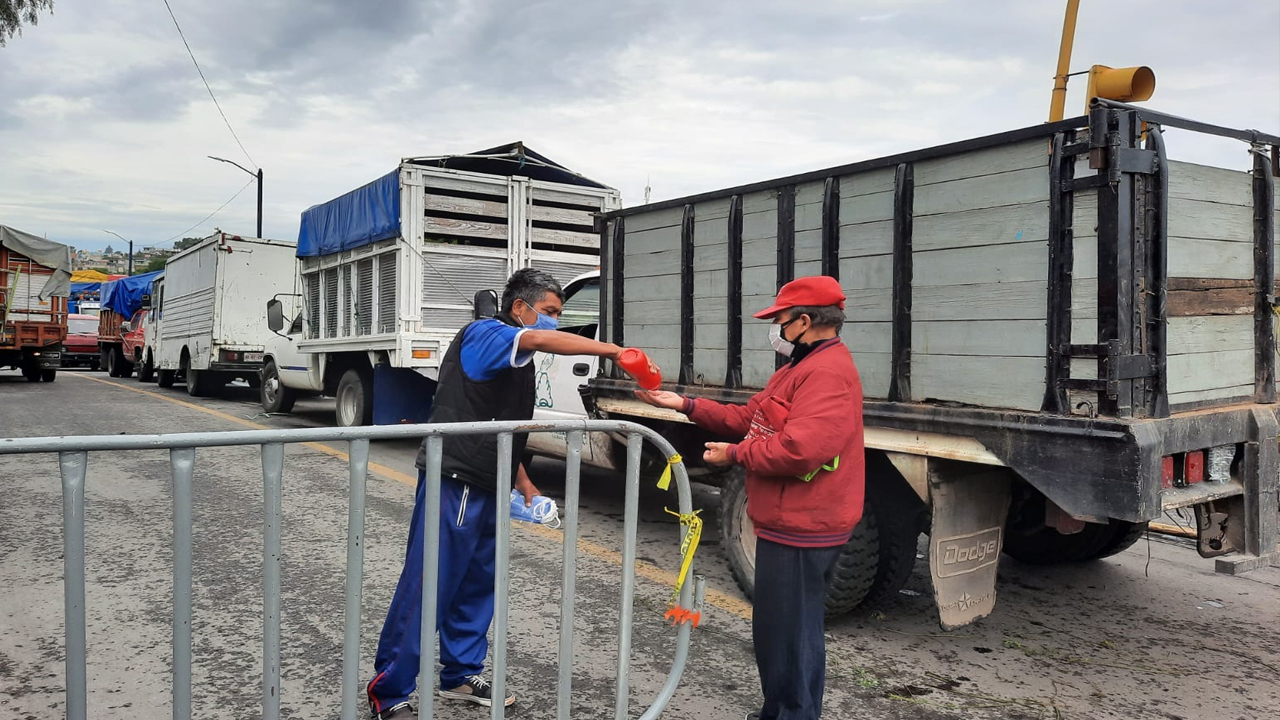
(802, 451)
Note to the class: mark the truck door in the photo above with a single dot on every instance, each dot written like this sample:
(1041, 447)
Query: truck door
(559, 377)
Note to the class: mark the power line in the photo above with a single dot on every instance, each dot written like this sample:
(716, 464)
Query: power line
(206, 219)
(206, 84)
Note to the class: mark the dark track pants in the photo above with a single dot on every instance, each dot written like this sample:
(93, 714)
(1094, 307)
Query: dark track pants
(788, 629)
(464, 597)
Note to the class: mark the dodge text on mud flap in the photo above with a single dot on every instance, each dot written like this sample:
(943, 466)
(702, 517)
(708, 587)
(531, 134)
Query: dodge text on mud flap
(964, 554)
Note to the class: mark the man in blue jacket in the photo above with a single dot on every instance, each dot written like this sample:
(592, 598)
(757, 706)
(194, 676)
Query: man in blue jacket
(485, 375)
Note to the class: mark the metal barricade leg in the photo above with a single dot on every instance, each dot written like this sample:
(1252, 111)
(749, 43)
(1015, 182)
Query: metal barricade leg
(631, 522)
(73, 466)
(359, 469)
(182, 462)
(272, 478)
(501, 577)
(569, 578)
(430, 576)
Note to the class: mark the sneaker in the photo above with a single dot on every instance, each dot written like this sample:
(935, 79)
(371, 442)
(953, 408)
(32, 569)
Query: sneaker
(477, 690)
(753, 716)
(403, 711)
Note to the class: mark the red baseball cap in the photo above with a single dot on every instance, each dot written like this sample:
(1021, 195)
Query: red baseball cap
(816, 291)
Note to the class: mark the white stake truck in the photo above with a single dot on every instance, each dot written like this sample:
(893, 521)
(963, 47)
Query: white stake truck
(210, 310)
(388, 273)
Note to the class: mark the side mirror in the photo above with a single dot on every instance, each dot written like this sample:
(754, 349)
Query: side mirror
(275, 316)
(485, 305)
(126, 327)
(146, 302)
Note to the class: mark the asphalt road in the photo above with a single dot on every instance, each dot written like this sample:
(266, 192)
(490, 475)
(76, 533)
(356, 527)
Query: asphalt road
(1151, 633)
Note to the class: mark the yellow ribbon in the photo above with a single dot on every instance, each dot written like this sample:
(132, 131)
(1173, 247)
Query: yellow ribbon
(664, 482)
(688, 546)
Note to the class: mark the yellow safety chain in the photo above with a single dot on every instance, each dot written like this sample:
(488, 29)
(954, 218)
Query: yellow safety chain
(664, 482)
(688, 546)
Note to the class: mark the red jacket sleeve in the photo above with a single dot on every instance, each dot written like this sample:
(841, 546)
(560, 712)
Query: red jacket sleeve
(818, 427)
(727, 420)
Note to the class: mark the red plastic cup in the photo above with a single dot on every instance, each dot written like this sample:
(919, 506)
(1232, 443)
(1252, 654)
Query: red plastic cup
(637, 365)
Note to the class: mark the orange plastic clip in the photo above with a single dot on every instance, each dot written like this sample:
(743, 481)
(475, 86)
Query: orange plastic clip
(679, 616)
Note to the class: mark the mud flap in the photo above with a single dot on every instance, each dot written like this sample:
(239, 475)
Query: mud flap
(970, 504)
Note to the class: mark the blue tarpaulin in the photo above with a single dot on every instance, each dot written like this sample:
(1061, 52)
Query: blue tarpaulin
(124, 296)
(363, 216)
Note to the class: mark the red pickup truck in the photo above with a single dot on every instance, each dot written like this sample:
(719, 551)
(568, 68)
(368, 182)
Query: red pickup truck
(81, 345)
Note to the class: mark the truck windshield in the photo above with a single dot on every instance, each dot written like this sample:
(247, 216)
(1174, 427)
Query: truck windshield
(582, 309)
(82, 326)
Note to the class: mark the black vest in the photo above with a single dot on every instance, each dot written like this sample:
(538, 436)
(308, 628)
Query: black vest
(510, 395)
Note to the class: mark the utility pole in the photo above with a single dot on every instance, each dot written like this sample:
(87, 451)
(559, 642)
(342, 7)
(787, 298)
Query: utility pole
(130, 248)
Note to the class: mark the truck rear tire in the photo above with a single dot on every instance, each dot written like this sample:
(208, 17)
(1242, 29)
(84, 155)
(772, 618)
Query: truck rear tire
(1029, 540)
(898, 522)
(354, 401)
(117, 364)
(855, 569)
(165, 378)
(147, 370)
(31, 372)
(276, 398)
(199, 382)
(49, 375)
(1126, 535)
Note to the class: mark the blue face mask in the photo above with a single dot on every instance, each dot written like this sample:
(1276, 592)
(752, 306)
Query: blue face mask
(544, 322)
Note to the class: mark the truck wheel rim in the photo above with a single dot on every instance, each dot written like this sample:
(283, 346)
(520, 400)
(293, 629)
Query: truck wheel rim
(347, 406)
(269, 388)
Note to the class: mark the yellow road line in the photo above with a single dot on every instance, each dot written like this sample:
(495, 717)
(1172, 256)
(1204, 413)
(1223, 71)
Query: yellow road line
(728, 603)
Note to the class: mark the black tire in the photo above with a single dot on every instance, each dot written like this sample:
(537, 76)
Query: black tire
(165, 378)
(31, 372)
(1027, 539)
(147, 370)
(49, 375)
(94, 365)
(199, 382)
(1125, 536)
(899, 520)
(353, 404)
(119, 363)
(109, 356)
(855, 569)
(276, 398)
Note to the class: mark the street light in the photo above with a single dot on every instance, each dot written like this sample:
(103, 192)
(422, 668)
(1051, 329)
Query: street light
(130, 248)
(257, 175)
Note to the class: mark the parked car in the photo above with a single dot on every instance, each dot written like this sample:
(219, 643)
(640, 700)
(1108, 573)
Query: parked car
(81, 345)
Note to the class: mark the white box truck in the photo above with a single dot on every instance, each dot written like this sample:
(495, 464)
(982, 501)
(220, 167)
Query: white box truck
(209, 310)
(388, 273)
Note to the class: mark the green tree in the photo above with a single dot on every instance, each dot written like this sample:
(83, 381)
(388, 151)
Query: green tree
(184, 243)
(108, 251)
(157, 263)
(13, 13)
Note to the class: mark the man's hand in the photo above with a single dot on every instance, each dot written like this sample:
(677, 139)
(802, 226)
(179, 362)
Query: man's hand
(717, 454)
(662, 399)
(525, 486)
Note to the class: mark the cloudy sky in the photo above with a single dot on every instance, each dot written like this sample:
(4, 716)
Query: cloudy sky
(104, 123)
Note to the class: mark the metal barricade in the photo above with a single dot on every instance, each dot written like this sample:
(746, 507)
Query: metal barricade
(73, 457)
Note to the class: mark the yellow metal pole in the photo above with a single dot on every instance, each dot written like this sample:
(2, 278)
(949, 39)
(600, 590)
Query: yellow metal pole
(1059, 101)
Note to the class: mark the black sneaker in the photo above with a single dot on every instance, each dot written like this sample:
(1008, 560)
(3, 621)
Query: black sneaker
(476, 690)
(403, 711)
(753, 716)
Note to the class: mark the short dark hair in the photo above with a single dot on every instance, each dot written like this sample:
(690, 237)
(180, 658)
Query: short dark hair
(821, 316)
(529, 285)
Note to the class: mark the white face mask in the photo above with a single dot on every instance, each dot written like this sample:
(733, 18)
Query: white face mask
(781, 346)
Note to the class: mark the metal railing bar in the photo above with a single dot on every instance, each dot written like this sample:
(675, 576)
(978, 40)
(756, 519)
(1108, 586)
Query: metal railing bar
(231, 438)
(501, 577)
(699, 593)
(182, 463)
(359, 471)
(569, 575)
(630, 523)
(72, 466)
(272, 481)
(430, 573)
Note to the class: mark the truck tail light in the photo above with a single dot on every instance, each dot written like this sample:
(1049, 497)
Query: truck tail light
(1193, 468)
(230, 356)
(1166, 472)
